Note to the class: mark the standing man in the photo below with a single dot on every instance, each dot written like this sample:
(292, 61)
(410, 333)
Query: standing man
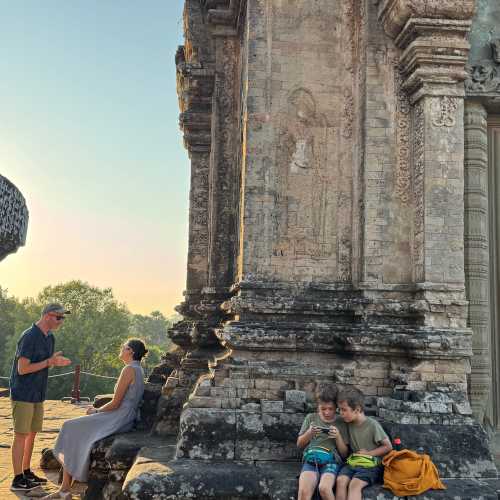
(28, 387)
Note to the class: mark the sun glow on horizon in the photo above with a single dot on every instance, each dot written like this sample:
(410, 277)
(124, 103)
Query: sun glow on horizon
(90, 137)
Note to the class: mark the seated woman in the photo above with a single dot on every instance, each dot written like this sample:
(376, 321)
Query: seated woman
(78, 435)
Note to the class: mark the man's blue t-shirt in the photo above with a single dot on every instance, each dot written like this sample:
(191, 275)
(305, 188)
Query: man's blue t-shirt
(36, 346)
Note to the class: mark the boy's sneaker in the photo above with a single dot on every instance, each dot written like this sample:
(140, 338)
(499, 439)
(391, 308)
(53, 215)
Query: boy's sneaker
(23, 484)
(34, 478)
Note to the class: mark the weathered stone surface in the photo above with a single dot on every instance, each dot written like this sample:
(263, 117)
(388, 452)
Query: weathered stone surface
(169, 480)
(458, 451)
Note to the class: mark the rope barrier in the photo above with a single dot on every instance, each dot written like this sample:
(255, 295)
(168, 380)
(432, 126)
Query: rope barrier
(99, 376)
(75, 393)
(61, 374)
(71, 373)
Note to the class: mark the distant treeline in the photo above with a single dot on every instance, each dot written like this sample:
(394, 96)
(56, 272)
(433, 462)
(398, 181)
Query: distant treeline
(91, 335)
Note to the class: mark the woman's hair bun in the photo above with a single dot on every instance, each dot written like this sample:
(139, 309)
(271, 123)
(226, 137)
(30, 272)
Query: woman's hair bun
(138, 348)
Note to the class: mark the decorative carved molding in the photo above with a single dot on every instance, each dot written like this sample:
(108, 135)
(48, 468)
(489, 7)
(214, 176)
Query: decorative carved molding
(444, 111)
(394, 14)
(403, 139)
(13, 218)
(418, 190)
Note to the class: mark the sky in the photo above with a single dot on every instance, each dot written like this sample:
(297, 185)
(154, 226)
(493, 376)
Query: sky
(89, 134)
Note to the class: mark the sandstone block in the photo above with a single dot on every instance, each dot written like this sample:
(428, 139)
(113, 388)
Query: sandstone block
(295, 400)
(204, 402)
(207, 433)
(271, 406)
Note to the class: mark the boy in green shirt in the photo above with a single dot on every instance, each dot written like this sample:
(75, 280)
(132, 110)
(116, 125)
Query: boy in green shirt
(323, 446)
(368, 442)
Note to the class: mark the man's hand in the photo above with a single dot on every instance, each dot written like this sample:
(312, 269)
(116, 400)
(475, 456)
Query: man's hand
(91, 410)
(57, 359)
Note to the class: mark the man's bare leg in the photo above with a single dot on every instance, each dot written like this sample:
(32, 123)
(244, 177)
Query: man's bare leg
(17, 450)
(28, 449)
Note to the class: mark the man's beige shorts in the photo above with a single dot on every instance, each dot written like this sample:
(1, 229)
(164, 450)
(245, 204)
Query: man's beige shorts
(27, 417)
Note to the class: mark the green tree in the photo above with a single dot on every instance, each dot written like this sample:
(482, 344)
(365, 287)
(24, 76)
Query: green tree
(152, 329)
(91, 335)
(15, 317)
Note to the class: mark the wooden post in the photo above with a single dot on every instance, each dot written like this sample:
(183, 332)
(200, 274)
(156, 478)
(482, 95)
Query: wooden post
(75, 393)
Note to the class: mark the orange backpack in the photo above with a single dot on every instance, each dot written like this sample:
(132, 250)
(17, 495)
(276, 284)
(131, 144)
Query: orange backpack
(407, 473)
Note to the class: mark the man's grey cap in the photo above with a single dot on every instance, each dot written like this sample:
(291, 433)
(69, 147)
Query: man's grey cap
(54, 307)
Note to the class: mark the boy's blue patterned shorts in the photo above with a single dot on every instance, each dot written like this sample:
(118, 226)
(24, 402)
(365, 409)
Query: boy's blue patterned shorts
(331, 468)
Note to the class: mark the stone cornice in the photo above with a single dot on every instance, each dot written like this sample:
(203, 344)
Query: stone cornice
(394, 14)
(195, 84)
(433, 36)
(434, 52)
(224, 16)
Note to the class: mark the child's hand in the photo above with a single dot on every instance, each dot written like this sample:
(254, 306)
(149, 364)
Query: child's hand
(362, 452)
(333, 432)
(315, 431)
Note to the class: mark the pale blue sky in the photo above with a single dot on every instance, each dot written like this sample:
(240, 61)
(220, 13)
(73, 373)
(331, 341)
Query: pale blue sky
(89, 133)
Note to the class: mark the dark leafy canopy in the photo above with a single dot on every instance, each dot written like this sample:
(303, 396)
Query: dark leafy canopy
(91, 335)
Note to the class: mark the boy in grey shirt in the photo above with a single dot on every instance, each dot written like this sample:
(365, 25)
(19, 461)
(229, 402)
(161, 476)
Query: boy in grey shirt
(368, 443)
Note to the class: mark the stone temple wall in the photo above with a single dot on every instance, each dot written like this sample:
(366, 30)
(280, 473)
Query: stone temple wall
(13, 218)
(326, 225)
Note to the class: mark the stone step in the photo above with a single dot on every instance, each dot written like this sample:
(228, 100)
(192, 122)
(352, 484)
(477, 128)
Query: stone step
(156, 476)
(113, 456)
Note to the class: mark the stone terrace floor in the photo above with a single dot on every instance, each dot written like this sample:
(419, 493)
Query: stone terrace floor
(56, 413)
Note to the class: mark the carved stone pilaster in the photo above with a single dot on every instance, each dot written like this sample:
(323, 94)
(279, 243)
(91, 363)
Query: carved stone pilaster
(13, 218)
(223, 174)
(477, 252)
(432, 36)
(195, 63)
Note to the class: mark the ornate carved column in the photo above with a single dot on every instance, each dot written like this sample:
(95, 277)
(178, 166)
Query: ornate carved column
(433, 40)
(195, 63)
(13, 218)
(477, 252)
(208, 88)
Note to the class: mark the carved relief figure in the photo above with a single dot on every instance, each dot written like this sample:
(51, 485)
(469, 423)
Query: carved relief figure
(485, 75)
(304, 178)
